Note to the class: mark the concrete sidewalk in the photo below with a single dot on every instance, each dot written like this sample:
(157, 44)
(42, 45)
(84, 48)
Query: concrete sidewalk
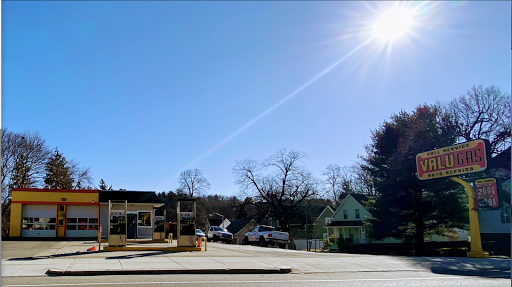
(71, 258)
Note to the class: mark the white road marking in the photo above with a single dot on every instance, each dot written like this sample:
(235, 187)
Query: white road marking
(256, 281)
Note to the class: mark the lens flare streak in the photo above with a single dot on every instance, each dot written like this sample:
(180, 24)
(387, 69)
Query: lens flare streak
(250, 123)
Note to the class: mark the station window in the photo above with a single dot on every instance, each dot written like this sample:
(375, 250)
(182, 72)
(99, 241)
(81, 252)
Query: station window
(144, 218)
(39, 223)
(82, 223)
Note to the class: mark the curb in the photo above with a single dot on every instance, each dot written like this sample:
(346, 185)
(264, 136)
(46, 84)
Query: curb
(277, 270)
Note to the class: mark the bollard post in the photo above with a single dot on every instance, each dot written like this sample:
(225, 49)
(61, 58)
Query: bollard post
(204, 238)
(99, 241)
(170, 238)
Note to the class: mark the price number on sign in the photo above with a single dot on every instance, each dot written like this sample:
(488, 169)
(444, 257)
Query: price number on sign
(486, 193)
(486, 190)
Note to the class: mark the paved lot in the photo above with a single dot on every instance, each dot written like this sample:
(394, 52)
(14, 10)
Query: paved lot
(73, 256)
(12, 249)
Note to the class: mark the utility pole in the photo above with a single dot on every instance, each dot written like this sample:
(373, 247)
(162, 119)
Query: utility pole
(307, 234)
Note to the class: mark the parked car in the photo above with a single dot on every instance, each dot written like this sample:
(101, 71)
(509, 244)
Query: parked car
(265, 235)
(200, 233)
(216, 233)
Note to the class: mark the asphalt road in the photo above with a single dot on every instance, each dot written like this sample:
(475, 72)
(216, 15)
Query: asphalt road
(394, 277)
(330, 279)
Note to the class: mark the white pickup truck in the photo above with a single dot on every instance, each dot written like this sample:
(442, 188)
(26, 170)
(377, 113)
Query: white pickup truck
(265, 235)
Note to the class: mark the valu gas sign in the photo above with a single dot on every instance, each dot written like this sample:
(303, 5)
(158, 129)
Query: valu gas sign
(453, 160)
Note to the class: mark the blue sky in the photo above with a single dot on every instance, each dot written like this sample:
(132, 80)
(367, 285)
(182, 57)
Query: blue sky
(139, 91)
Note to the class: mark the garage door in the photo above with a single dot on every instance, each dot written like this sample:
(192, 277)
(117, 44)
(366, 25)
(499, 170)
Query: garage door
(82, 221)
(38, 220)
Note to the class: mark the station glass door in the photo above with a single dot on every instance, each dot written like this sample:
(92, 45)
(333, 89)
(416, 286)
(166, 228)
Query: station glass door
(132, 226)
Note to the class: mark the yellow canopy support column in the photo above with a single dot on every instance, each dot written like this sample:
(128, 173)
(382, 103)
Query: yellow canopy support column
(474, 227)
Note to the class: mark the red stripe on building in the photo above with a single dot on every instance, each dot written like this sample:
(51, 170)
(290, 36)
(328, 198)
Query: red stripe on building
(56, 202)
(56, 190)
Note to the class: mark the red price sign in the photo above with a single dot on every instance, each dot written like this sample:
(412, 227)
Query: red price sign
(486, 193)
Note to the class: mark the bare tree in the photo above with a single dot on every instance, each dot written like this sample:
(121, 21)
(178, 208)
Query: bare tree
(287, 183)
(483, 113)
(24, 156)
(23, 165)
(193, 182)
(335, 176)
(362, 181)
(82, 176)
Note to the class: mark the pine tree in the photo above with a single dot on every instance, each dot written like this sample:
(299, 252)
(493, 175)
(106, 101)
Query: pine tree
(58, 174)
(104, 186)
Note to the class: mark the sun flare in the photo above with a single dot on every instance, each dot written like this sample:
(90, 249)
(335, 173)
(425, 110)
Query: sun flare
(393, 23)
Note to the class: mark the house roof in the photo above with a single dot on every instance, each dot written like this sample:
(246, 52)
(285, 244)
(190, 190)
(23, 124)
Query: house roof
(347, 223)
(130, 196)
(238, 224)
(298, 213)
(361, 198)
(325, 209)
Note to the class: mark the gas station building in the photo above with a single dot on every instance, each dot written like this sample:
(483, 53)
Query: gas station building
(79, 213)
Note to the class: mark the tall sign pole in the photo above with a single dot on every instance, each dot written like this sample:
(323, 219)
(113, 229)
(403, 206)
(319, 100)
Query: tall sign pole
(474, 227)
(459, 159)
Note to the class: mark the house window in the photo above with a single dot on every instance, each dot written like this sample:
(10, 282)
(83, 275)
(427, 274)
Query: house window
(345, 215)
(357, 214)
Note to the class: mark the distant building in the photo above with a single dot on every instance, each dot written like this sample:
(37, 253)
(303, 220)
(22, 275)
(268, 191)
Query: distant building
(495, 224)
(239, 228)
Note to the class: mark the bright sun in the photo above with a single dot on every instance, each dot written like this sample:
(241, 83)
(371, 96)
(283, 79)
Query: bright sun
(393, 23)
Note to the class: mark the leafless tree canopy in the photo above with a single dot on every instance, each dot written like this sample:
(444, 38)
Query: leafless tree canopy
(23, 165)
(483, 113)
(362, 181)
(82, 176)
(193, 182)
(334, 176)
(24, 157)
(286, 183)
(347, 179)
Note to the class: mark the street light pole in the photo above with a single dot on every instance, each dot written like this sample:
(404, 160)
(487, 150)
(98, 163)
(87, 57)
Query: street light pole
(307, 235)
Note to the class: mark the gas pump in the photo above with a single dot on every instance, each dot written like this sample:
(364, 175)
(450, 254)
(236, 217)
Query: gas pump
(186, 222)
(159, 224)
(117, 223)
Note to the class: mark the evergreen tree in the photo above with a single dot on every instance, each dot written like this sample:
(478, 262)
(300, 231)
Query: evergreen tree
(405, 207)
(58, 173)
(104, 186)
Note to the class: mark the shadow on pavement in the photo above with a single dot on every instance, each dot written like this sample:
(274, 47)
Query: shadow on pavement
(482, 267)
(50, 256)
(78, 253)
(140, 255)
